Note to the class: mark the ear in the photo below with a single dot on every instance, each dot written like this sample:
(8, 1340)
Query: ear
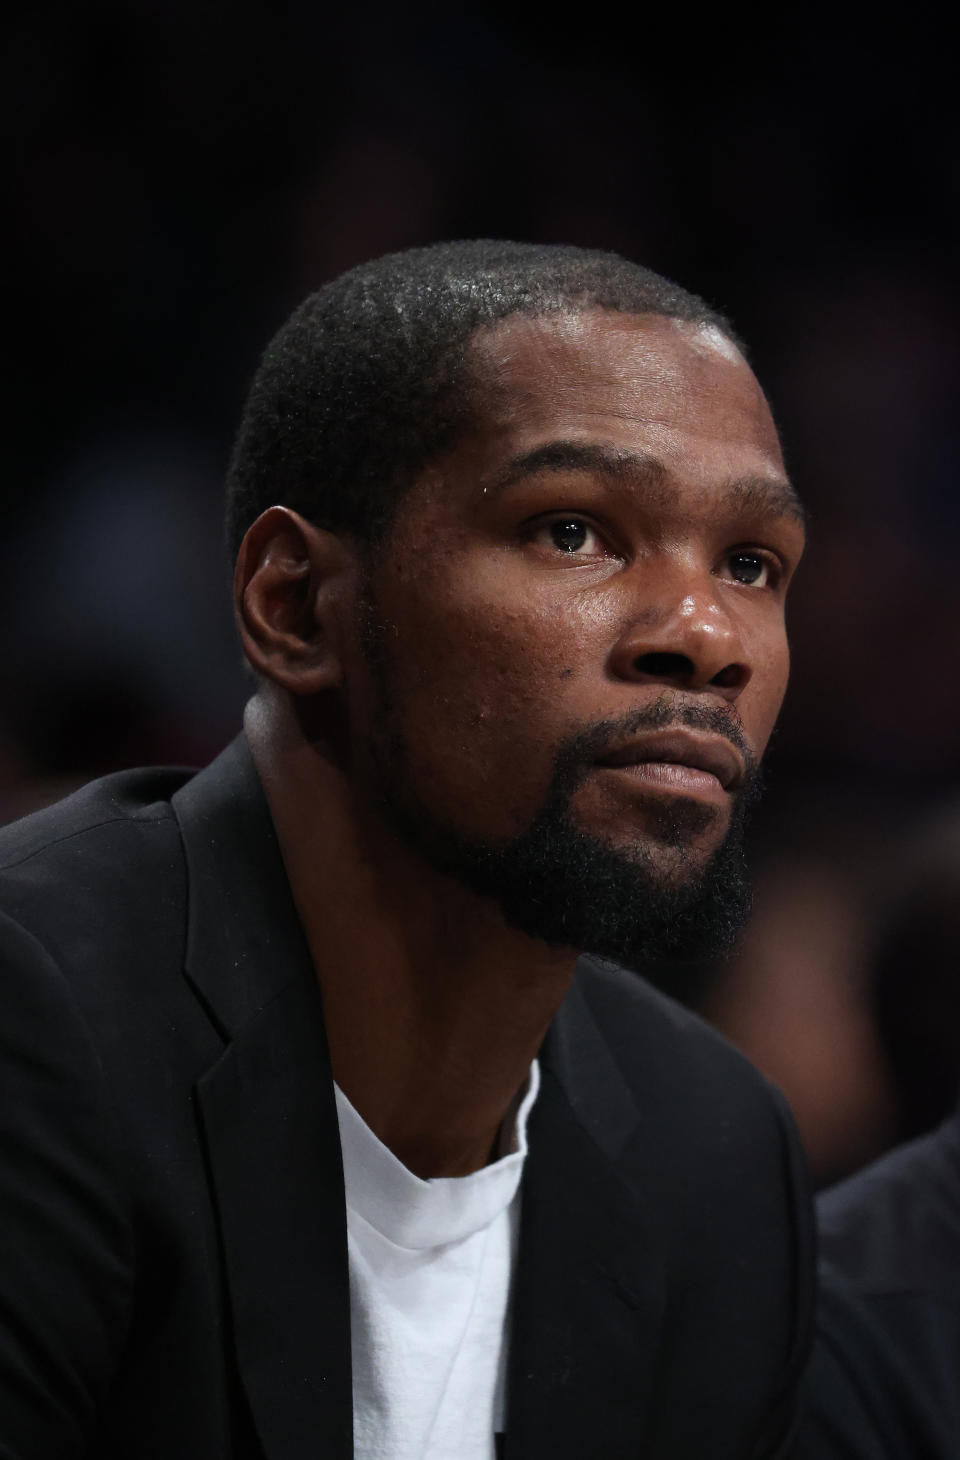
(290, 586)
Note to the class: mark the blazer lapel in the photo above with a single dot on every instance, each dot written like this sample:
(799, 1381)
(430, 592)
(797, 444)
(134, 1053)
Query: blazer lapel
(589, 1287)
(589, 1291)
(269, 1120)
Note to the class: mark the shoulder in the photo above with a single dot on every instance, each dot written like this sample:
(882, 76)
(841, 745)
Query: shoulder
(93, 900)
(660, 1045)
(109, 852)
(130, 798)
(98, 1010)
(80, 952)
(707, 1132)
(889, 1318)
(895, 1227)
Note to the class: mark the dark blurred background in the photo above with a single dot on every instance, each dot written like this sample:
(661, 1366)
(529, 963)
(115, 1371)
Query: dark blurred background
(181, 174)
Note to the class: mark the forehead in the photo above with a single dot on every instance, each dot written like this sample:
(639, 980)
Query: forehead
(681, 394)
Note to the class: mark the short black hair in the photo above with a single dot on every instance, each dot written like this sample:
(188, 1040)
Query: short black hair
(366, 382)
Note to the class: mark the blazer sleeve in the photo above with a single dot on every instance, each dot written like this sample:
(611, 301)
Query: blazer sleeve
(66, 1254)
(839, 1421)
(882, 1382)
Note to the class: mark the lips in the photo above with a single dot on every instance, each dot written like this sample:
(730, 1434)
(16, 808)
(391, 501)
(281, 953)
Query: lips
(698, 752)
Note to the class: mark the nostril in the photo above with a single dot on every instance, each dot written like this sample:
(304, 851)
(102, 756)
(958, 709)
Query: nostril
(664, 666)
(731, 677)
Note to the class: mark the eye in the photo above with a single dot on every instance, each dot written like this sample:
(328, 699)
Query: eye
(570, 535)
(754, 569)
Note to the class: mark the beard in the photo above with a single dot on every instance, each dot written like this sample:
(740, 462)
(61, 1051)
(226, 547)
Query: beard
(643, 903)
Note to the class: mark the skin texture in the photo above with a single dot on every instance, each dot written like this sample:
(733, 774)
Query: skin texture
(483, 646)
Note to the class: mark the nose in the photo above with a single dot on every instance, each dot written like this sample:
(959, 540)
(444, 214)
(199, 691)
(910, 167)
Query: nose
(687, 639)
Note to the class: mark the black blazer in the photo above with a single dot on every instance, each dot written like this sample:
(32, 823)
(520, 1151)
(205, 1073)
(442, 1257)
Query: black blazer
(173, 1280)
(884, 1382)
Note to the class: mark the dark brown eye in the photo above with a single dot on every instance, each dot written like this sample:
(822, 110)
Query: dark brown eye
(749, 568)
(569, 535)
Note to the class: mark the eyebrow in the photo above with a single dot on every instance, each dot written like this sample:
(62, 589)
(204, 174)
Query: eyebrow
(774, 496)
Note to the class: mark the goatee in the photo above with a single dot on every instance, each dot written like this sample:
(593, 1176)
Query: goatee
(556, 882)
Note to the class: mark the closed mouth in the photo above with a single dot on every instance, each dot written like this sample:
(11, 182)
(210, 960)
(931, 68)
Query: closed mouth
(709, 754)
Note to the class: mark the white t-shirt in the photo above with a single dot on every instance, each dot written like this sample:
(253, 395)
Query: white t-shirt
(430, 1269)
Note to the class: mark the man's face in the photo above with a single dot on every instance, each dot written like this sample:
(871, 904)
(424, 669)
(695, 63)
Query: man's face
(578, 619)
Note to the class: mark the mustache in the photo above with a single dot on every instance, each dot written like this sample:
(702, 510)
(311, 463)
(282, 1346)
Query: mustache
(581, 750)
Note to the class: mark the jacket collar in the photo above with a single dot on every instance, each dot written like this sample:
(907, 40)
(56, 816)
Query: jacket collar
(269, 1118)
(589, 1289)
(244, 939)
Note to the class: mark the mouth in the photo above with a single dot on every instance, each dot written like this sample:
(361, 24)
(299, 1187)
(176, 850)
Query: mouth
(680, 762)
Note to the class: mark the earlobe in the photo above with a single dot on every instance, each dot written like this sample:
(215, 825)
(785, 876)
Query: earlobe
(289, 585)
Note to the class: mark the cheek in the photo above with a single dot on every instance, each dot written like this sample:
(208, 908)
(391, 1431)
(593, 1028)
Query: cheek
(499, 673)
(761, 704)
(486, 637)
(480, 693)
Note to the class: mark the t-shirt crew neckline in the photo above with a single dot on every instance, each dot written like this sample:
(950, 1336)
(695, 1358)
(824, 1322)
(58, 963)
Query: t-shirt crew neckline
(415, 1213)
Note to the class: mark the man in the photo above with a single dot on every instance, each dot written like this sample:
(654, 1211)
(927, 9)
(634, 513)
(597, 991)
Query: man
(884, 1382)
(513, 535)
(884, 1379)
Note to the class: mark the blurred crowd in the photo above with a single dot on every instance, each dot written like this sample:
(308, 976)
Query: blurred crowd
(185, 173)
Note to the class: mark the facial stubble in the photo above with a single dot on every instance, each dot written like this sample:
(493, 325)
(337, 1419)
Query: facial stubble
(649, 900)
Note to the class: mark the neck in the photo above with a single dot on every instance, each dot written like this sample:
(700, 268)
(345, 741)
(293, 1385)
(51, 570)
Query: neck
(434, 1008)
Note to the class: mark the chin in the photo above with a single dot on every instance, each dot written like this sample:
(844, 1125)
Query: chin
(680, 835)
